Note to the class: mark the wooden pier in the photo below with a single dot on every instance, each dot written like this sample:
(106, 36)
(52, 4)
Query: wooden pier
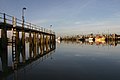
(41, 40)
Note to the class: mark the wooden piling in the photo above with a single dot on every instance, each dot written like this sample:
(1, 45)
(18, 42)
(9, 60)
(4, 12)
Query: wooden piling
(4, 40)
(34, 44)
(23, 46)
(41, 44)
(17, 47)
(47, 43)
(30, 45)
(37, 42)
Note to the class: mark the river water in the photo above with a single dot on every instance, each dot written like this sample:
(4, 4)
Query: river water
(73, 61)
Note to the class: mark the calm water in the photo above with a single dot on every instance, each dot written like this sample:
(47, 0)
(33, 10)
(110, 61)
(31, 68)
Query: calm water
(73, 61)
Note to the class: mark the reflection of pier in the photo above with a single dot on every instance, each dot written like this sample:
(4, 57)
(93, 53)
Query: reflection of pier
(41, 42)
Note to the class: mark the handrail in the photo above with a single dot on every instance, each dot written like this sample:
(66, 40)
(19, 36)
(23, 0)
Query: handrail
(9, 19)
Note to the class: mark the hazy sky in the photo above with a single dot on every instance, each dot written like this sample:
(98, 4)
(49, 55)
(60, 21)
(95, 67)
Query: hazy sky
(68, 16)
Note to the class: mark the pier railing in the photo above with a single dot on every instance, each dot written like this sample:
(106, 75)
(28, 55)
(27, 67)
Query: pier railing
(5, 18)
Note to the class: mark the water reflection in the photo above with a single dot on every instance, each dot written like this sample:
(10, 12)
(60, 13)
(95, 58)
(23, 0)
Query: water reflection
(95, 43)
(11, 62)
(75, 60)
(87, 61)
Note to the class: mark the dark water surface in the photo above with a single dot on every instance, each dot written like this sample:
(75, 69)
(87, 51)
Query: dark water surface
(73, 61)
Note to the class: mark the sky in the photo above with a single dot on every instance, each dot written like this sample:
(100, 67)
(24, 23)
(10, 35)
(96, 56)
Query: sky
(68, 17)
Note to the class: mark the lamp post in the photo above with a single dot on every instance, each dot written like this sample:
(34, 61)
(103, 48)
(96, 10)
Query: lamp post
(23, 16)
(50, 28)
(23, 35)
(50, 35)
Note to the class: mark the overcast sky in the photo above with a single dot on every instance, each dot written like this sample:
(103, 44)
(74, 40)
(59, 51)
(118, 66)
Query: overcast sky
(68, 16)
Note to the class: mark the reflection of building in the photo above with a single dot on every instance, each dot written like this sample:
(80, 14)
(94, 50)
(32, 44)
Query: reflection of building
(100, 39)
(99, 42)
(58, 39)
